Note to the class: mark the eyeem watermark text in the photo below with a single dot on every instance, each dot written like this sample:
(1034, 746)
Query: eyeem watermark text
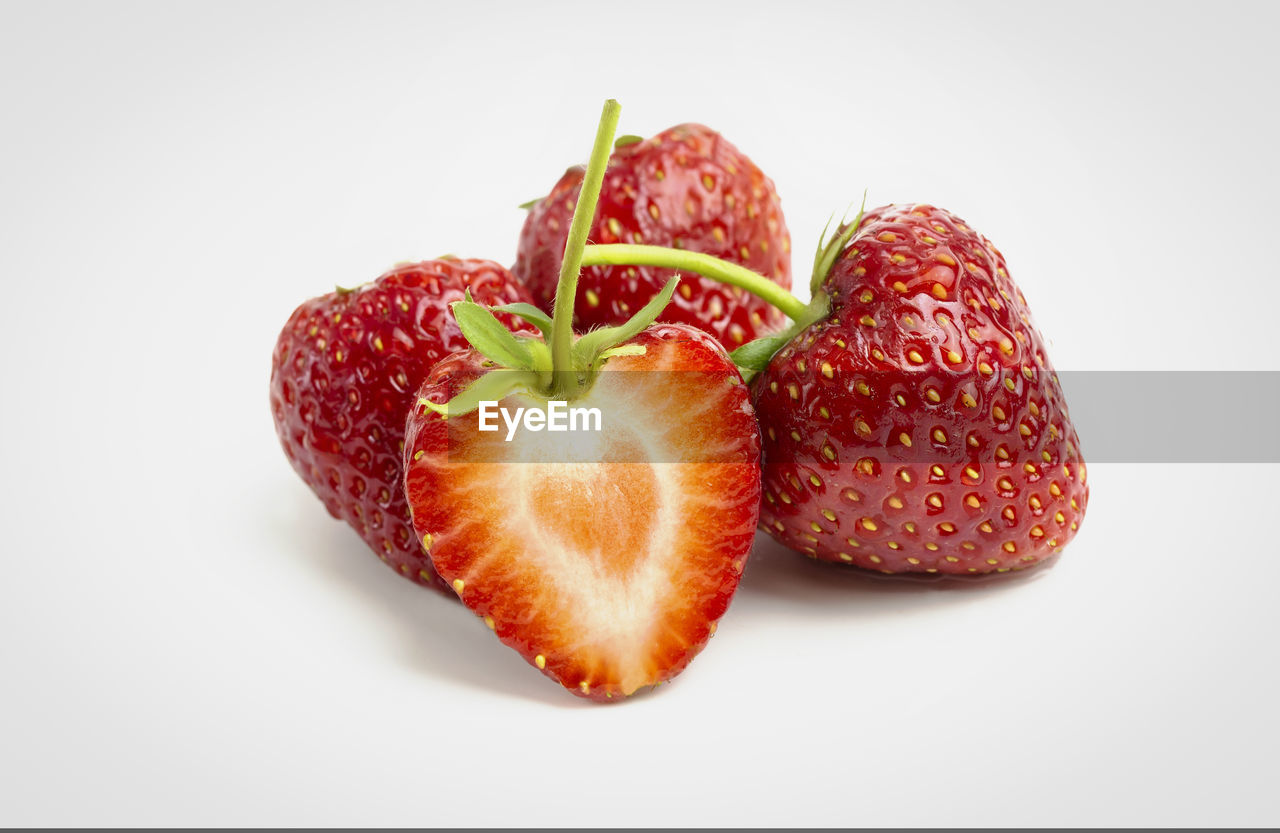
(557, 417)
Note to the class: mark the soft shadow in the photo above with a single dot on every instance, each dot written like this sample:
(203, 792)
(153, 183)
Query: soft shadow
(776, 577)
(436, 634)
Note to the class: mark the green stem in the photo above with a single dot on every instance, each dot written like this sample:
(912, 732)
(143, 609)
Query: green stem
(623, 254)
(583, 214)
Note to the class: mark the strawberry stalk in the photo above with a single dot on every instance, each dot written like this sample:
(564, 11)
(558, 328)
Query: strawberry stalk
(753, 356)
(567, 288)
(559, 365)
(626, 254)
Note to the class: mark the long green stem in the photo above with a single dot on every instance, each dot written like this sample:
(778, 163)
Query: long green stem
(583, 214)
(616, 254)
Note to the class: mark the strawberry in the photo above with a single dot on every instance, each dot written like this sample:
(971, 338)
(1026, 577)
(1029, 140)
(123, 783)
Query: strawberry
(606, 568)
(912, 420)
(343, 377)
(689, 188)
(605, 557)
(919, 426)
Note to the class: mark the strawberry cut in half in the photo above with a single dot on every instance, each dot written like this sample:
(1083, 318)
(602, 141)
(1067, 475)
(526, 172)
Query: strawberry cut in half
(604, 559)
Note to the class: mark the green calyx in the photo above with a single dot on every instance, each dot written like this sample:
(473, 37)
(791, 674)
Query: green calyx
(755, 355)
(829, 250)
(556, 364)
(591, 349)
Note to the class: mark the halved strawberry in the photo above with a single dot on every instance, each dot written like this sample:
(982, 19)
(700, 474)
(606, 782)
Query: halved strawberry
(604, 559)
(604, 555)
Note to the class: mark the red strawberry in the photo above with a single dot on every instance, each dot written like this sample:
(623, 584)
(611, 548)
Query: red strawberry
(919, 426)
(343, 377)
(689, 188)
(606, 567)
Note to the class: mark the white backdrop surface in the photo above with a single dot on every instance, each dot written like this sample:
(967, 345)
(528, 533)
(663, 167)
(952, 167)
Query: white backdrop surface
(186, 637)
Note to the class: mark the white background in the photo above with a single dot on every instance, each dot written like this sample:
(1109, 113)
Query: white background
(187, 637)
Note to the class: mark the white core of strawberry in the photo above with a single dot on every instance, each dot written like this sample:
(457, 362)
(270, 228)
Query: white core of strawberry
(598, 523)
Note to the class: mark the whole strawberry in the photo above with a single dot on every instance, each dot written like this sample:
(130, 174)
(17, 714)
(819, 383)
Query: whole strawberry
(343, 377)
(918, 426)
(686, 188)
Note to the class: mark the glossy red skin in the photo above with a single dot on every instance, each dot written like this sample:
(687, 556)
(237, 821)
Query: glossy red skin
(343, 374)
(841, 486)
(739, 212)
(463, 534)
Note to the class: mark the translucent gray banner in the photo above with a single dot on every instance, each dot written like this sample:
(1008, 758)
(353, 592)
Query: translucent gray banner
(897, 416)
(1176, 416)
